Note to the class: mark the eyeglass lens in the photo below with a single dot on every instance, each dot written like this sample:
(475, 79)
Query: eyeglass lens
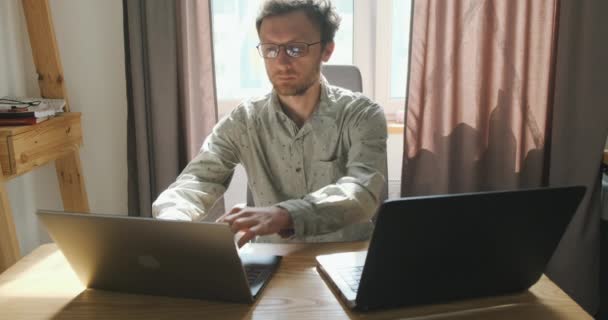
(294, 50)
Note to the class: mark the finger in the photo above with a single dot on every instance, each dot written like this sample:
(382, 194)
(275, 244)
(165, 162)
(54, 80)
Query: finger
(260, 229)
(242, 224)
(221, 218)
(241, 214)
(247, 236)
(234, 210)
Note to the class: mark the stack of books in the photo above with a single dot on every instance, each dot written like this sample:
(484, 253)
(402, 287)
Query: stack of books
(26, 111)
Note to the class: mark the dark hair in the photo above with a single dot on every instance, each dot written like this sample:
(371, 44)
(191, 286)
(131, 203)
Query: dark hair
(321, 12)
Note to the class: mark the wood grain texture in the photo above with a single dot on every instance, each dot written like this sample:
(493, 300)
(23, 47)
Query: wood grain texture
(42, 286)
(6, 157)
(44, 49)
(9, 246)
(71, 182)
(23, 148)
(45, 143)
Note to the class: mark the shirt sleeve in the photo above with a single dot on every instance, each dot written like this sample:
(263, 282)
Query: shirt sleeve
(205, 178)
(355, 196)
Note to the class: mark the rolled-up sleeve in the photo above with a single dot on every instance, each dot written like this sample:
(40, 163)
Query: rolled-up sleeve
(355, 196)
(205, 178)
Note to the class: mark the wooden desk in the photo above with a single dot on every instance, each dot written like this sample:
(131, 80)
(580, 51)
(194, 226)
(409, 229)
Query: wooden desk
(42, 286)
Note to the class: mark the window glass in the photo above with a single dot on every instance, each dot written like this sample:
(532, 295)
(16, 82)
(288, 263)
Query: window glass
(400, 47)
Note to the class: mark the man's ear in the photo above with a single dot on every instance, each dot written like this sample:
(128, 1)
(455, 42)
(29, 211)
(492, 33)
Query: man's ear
(327, 51)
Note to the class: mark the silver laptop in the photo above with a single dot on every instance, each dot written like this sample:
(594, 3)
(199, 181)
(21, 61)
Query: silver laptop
(158, 257)
(437, 249)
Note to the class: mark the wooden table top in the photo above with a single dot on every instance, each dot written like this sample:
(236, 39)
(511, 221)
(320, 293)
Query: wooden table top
(43, 286)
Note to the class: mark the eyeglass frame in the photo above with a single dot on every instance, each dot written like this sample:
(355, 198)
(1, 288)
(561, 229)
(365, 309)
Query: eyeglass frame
(284, 46)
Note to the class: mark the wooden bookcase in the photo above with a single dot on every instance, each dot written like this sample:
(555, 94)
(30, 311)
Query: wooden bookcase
(25, 148)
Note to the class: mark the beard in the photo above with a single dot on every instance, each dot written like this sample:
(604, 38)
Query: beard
(299, 88)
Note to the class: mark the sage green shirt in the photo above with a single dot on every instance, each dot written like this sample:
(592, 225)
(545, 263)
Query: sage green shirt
(328, 174)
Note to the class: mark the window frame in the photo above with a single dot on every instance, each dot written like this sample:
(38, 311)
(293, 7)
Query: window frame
(383, 54)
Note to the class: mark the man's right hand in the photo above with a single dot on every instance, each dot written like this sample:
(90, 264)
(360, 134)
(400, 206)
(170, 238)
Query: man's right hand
(256, 221)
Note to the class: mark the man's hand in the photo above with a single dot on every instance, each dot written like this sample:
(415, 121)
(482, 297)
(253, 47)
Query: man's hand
(253, 221)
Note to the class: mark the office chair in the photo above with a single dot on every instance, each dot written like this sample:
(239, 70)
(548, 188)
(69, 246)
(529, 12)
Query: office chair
(345, 76)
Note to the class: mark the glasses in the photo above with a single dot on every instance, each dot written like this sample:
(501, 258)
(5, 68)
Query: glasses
(293, 49)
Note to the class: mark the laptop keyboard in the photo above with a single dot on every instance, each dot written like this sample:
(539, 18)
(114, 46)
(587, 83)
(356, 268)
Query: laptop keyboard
(352, 276)
(256, 273)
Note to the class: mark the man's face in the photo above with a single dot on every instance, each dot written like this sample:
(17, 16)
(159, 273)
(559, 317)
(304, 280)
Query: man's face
(293, 76)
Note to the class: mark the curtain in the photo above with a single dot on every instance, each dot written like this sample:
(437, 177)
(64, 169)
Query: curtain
(171, 93)
(489, 104)
(478, 96)
(196, 73)
(579, 129)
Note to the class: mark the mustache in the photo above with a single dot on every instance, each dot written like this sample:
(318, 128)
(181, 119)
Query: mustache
(284, 73)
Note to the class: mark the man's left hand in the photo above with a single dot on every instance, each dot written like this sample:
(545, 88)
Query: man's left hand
(254, 221)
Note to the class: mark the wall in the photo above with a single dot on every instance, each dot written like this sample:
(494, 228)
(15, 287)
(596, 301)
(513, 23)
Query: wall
(90, 39)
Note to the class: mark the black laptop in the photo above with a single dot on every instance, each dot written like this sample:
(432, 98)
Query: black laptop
(436, 249)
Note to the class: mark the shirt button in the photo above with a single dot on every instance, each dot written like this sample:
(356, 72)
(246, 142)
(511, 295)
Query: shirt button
(298, 169)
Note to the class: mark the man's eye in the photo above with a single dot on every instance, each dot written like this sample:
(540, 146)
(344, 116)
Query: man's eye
(271, 52)
(294, 50)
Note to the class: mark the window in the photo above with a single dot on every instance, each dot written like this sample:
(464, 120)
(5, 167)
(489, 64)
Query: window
(373, 35)
(392, 55)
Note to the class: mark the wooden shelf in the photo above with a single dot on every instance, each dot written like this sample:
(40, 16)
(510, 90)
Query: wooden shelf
(23, 148)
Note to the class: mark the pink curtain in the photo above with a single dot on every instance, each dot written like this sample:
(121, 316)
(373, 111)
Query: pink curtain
(479, 97)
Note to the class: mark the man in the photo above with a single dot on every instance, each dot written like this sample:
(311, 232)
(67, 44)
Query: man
(315, 154)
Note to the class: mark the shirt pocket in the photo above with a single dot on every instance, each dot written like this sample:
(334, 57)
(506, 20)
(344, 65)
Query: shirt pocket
(325, 173)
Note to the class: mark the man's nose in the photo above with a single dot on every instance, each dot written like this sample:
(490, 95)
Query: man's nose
(283, 57)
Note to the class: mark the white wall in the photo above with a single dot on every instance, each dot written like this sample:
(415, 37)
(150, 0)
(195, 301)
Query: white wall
(90, 39)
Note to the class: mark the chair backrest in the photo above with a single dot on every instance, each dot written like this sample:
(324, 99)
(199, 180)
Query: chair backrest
(345, 76)
(348, 77)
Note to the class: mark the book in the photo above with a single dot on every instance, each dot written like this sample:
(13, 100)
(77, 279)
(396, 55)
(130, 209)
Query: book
(21, 121)
(16, 107)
